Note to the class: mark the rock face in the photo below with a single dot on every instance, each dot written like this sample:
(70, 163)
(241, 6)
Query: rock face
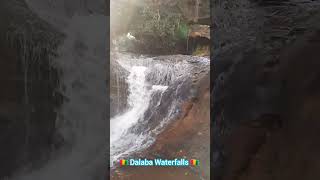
(263, 52)
(189, 135)
(199, 40)
(28, 93)
(118, 88)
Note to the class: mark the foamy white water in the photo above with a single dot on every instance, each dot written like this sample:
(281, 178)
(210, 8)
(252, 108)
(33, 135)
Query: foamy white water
(159, 88)
(123, 142)
(82, 119)
(149, 79)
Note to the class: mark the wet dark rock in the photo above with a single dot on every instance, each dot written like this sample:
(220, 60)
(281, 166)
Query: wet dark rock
(29, 87)
(118, 88)
(251, 94)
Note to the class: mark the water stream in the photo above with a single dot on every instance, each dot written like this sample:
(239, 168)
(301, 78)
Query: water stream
(82, 118)
(156, 88)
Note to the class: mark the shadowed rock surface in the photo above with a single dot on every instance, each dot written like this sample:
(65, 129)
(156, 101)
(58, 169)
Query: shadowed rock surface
(263, 116)
(28, 93)
(118, 88)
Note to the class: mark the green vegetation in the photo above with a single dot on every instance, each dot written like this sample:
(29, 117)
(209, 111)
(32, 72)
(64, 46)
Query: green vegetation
(159, 26)
(164, 24)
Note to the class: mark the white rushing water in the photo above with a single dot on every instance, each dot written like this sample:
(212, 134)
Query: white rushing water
(82, 117)
(121, 141)
(148, 81)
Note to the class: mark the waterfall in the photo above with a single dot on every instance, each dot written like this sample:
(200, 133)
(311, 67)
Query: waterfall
(82, 118)
(156, 87)
(25, 67)
(138, 100)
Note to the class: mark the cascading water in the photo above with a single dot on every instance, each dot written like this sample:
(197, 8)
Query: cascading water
(156, 87)
(138, 101)
(82, 117)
